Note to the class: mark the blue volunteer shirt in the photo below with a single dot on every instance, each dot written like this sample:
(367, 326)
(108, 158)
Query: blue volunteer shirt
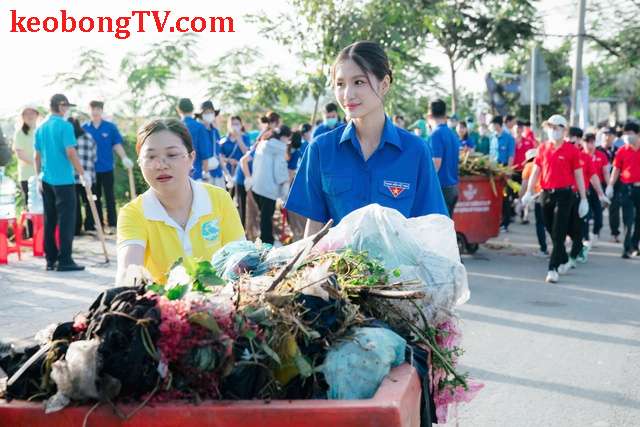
(214, 137)
(106, 135)
(239, 176)
(296, 156)
(446, 146)
(505, 147)
(334, 179)
(52, 139)
(322, 129)
(201, 144)
(230, 149)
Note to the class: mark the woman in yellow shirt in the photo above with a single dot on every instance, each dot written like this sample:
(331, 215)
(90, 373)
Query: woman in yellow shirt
(177, 216)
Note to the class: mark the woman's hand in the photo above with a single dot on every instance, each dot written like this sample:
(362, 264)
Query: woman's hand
(130, 255)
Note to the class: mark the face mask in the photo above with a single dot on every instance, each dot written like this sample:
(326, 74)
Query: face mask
(208, 117)
(67, 114)
(331, 122)
(555, 134)
(629, 139)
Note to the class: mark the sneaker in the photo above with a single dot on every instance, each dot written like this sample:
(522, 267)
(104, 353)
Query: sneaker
(625, 255)
(616, 239)
(594, 240)
(552, 277)
(564, 268)
(583, 255)
(51, 266)
(70, 267)
(541, 254)
(635, 253)
(587, 244)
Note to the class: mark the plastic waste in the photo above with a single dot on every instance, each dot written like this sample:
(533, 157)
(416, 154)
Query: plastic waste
(34, 200)
(76, 376)
(424, 249)
(354, 369)
(240, 257)
(7, 196)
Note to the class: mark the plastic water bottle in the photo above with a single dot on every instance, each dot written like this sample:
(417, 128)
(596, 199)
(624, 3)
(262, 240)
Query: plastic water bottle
(7, 196)
(34, 201)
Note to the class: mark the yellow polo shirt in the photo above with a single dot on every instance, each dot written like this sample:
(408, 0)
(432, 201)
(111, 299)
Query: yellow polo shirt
(214, 222)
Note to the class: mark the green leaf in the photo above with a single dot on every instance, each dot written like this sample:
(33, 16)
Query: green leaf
(207, 275)
(157, 288)
(303, 366)
(271, 353)
(250, 334)
(177, 292)
(205, 320)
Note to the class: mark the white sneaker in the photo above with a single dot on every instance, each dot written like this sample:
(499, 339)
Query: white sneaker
(552, 277)
(572, 262)
(594, 240)
(564, 268)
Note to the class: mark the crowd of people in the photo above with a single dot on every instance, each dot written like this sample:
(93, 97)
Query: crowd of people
(208, 188)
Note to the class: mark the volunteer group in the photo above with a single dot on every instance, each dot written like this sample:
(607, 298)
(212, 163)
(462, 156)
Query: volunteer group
(567, 178)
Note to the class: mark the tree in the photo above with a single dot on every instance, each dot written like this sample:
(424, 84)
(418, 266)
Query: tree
(90, 69)
(468, 30)
(149, 74)
(315, 32)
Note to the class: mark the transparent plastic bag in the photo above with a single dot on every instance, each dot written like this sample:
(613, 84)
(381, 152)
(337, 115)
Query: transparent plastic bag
(354, 369)
(240, 257)
(423, 249)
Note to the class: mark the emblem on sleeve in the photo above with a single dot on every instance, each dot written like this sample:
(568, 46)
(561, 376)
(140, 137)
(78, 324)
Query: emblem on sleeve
(396, 188)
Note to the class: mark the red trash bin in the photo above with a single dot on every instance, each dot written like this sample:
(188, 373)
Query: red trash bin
(395, 404)
(478, 213)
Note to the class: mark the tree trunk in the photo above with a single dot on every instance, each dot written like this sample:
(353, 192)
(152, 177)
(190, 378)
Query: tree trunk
(454, 90)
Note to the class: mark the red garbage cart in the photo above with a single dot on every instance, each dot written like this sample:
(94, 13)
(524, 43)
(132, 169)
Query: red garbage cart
(395, 404)
(478, 212)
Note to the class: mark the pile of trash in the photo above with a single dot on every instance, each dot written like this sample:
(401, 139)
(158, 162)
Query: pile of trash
(476, 164)
(326, 317)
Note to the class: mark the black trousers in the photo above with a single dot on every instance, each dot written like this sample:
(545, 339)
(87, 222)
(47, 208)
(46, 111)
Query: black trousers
(104, 185)
(89, 225)
(241, 192)
(59, 210)
(614, 210)
(576, 228)
(267, 208)
(556, 213)
(595, 212)
(24, 186)
(540, 231)
(450, 194)
(630, 201)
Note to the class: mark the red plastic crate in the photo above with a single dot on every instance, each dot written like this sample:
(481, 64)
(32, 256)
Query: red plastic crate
(396, 404)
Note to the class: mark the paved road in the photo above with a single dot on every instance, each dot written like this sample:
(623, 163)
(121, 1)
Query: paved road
(549, 355)
(552, 355)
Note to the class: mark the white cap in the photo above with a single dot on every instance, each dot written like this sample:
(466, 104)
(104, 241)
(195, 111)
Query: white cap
(557, 120)
(530, 154)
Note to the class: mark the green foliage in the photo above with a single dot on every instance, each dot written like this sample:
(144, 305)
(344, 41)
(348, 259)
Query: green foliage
(90, 68)
(358, 269)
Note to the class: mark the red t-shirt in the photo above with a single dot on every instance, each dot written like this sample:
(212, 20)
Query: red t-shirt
(628, 161)
(557, 165)
(588, 170)
(525, 145)
(599, 160)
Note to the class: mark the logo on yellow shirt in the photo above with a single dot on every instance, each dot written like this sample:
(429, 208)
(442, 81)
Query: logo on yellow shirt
(211, 230)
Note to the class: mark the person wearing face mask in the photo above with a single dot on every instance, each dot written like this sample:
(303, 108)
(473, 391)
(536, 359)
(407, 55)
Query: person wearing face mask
(207, 117)
(369, 160)
(177, 216)
(626, 168)
(232, 147)
(55, 161)
(559, 168)
(200, 140)
(577, 223)
(108, 140)
(601, 166)
(331, 120)
(608, 149)
(271, 177)
(484, 141)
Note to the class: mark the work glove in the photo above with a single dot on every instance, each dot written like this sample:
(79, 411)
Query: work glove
(206, 177)
(604, 200)
(609, 191)
(527, 199)
(86, 179)
(583, 208)
(127, 163)
(248, 183)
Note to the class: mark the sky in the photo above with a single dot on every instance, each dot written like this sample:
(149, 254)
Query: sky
(30, 60)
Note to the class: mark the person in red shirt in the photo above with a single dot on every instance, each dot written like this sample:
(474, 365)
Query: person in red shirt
(601, 166)
(626, 167)
(559, 168)
(579, 251)
(525, 141)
